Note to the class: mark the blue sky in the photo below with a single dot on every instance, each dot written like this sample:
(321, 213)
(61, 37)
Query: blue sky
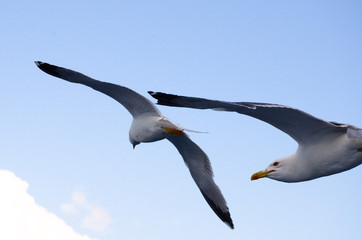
(70, 143)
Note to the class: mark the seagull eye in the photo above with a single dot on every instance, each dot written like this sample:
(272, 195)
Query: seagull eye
(275, 164)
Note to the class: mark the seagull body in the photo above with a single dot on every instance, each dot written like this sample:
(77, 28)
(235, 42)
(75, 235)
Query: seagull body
(324, 148)
(149, 125)
(328, 155)
(150, 128)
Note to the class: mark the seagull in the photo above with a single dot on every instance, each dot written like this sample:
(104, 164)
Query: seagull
(324, 148)
(149, 125)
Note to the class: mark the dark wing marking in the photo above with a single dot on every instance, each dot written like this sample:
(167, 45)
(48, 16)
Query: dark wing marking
(301, 126)
(135, 103)
(200, 168)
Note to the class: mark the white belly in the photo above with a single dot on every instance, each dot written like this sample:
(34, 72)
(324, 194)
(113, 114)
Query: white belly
(150, 128)
(336, 156)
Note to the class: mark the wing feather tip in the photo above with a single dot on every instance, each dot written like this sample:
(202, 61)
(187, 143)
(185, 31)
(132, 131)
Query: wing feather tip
(164, 98)
(222, 214)
(38, 63)
(48, 68)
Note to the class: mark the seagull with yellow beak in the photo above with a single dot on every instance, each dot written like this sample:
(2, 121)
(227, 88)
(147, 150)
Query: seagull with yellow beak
(324, 148)
(149, 125)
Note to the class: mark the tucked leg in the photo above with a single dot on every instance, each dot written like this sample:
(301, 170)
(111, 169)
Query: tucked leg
(175, 132)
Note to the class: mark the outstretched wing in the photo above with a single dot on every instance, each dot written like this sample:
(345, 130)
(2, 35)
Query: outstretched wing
(200, 168)
(301, 126)
(135, 103)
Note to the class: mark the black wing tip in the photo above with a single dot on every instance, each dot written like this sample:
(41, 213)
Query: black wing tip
(38, 63)
(164, 98)
(230, 224)
(48, 68)
(223, 215)
(41, 65)
(161, 95)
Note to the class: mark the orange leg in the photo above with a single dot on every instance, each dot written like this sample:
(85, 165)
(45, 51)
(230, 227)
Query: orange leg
(175, 132)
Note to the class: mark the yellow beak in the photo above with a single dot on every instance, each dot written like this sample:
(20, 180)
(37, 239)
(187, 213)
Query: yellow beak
(261, 174)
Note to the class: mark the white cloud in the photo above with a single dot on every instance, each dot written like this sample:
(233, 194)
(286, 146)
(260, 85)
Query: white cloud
(97, 219)
(93, 217)
(79, 198)
(69, 209)
(21, 218)
(79, 202)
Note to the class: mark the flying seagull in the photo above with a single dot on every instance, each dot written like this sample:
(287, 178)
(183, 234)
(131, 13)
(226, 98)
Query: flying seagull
(324, 148)
(149, 125)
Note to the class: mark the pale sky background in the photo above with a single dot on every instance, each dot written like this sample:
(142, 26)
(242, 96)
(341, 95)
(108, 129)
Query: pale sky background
(65, 148)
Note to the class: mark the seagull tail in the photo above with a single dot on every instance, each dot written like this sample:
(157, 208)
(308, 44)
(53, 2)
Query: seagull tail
(194, 131)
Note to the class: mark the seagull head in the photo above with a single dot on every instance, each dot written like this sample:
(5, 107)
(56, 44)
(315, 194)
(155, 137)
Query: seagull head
(276, 170)
(268, 172)
(284, 169)
(133, 142)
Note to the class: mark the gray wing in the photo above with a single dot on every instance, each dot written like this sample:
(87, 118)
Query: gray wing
(301, 126)
(135, 103)
(200, 168)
